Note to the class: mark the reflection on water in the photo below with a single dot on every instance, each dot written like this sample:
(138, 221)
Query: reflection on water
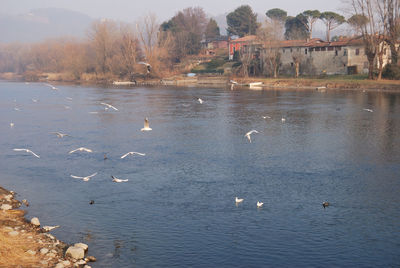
(178, 207)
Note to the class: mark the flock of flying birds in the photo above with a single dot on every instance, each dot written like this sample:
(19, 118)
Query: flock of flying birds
(83, 149)
(146, 127)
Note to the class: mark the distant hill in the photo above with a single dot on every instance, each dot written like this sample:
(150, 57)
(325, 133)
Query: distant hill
(40, 24)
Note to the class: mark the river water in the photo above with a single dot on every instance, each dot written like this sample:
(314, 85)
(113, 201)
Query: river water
(178, 208)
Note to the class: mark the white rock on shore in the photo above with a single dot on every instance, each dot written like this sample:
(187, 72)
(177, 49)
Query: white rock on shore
(82, 245)
(13, 233)
(44, 251)
(35, 221)
(31, 252)
(75, 252)
(6, 207)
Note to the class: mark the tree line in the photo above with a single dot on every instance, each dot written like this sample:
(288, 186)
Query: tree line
(114, 50)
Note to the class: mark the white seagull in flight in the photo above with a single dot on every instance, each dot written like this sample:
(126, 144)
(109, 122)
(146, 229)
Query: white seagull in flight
(26, 150)
(109, 106)
(200, 101)
(52, 87)
(369, 110)
(148, 66)
(60, 135)
(146, 125)
(132, 153)
(81, 149)
(87, 178)
(115, 179)
(247, 135)
(238, 200)
(259, 204)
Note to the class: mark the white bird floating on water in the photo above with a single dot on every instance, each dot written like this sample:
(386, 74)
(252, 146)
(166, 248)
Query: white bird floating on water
(87, 178)
(115, 179)
(369, 110)
(11, 125)
(81, 149)
(34, 100)
(60, 135)
(109, 106)
(259, 204)
(200, 101)
(26, 150)
(68, 98)
(146, 125)
(49, 228)
(17, 109)
(67, 107)
(247, 135)
(238, 200)
(283, 119)
(265, 117)
(132, 153)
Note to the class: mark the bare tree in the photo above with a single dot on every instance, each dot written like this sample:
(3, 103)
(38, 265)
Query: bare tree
(370, 24)
(156, 44)
(297, 57)
(102, 35)
(129, 49)
(271, 36)
(389, 15)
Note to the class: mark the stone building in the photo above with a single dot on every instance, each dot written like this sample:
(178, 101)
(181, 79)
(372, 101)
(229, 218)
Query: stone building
(311, 57)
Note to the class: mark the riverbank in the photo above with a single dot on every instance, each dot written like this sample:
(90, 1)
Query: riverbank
(345, 82)
(27, 244)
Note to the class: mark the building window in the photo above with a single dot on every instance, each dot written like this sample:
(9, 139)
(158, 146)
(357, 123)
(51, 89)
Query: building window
(357, 51)
(311, 49)
(317, 49)
(283, 50)
(338, 48)
(291, 50)
(330, 48)
(323, 48)
(298, 49)
(345, 52)
(305, 51)
(291, 64)
(336, 52)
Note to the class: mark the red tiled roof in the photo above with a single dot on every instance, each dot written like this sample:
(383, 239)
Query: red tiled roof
(315, 42)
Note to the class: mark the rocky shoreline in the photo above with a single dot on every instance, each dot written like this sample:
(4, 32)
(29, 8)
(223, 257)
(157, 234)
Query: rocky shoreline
(26, 244)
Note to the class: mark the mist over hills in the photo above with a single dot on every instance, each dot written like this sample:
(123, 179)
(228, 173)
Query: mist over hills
(40, 24)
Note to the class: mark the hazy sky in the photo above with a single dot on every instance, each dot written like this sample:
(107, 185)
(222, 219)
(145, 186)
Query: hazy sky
(130, 10)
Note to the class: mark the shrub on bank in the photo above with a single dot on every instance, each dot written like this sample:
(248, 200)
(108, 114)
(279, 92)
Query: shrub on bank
(391, 71)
